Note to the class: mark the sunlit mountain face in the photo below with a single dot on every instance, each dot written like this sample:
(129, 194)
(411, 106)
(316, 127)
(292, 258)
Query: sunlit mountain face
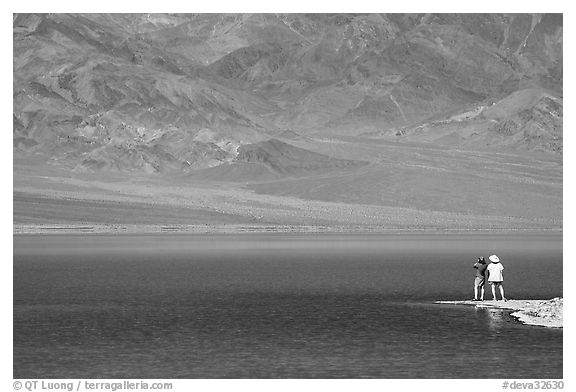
(181, 92)
(401, 110)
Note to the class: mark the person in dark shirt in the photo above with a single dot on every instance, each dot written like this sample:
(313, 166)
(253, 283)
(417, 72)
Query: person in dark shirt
(480, 278)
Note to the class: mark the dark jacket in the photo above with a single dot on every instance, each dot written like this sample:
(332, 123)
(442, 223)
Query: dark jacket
(481, 269)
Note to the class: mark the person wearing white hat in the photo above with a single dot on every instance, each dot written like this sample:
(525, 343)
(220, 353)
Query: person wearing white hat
(495, 277)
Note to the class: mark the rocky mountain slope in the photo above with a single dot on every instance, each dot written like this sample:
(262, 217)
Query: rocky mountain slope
(181, 93)
(529, 119)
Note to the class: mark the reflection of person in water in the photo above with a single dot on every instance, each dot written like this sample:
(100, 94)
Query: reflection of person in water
(480, 278)
(495, 277)
(496, 318)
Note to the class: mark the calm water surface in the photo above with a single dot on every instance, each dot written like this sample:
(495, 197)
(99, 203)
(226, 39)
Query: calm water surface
(277, 306)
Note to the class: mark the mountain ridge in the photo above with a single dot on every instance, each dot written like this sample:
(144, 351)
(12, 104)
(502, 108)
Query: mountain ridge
(127, 91)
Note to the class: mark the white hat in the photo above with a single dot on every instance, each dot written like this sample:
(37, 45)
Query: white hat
(494, 259)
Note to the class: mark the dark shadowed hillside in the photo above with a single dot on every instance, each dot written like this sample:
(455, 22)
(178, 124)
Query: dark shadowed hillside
(283, 157)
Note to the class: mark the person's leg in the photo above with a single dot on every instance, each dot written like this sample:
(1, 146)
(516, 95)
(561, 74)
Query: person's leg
(482, 293)
(502, 291)
(475, 291)
(493, 292)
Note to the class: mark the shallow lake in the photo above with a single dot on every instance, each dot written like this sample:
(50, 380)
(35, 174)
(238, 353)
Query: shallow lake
(278, 306)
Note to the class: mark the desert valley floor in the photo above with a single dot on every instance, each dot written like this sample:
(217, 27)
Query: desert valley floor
(401, 186)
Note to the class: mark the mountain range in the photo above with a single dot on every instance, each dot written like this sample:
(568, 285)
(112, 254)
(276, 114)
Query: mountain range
(267, 97)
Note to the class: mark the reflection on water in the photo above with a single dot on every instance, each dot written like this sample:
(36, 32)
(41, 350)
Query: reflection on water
(272, 307)
(497, 317)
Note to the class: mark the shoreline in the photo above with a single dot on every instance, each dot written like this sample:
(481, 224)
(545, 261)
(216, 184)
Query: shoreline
(55, 229)
(543, 313)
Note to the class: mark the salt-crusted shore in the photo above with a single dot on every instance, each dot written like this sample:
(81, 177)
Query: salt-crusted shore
(545, 313)
(246, 228)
